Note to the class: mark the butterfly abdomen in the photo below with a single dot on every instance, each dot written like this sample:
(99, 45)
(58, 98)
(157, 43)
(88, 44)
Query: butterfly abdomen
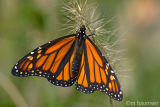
(78, 56)
(76, 64)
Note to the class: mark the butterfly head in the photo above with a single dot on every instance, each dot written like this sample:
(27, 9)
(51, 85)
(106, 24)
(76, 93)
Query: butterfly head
(82, 31)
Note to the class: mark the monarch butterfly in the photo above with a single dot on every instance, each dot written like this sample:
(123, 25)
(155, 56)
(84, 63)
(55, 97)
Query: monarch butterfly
(69, 59)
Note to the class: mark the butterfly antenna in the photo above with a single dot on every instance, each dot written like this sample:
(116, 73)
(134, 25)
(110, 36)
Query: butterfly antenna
(92, 35)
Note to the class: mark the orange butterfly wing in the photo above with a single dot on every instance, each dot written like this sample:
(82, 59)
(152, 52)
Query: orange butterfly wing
(66, 77)
(50, 60)
(96, 73)
(82, 83)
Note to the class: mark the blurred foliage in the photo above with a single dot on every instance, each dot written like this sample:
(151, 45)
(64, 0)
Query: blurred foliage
(26, 24)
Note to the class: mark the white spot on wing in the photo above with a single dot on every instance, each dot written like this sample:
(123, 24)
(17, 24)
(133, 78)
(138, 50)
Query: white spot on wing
(15, 67)
(32, 52)
(39, 48)
(108, 64)
(112, 71)
(120, 92)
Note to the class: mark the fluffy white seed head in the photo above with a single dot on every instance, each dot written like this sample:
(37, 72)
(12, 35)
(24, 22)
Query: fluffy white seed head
(81, 12)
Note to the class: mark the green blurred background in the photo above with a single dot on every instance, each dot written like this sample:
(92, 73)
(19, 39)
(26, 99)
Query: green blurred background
(26, 24)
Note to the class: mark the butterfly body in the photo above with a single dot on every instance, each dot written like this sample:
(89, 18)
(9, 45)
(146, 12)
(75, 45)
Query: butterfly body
(78, 50)
(69, 59)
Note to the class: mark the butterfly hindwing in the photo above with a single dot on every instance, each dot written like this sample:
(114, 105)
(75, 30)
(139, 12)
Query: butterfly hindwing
(97, 73)
(49, 60)
(82, 83)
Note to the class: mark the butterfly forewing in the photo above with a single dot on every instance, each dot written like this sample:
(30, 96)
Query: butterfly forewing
(48, 60)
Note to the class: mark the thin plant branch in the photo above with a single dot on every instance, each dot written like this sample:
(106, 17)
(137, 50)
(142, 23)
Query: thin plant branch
(12, 91)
